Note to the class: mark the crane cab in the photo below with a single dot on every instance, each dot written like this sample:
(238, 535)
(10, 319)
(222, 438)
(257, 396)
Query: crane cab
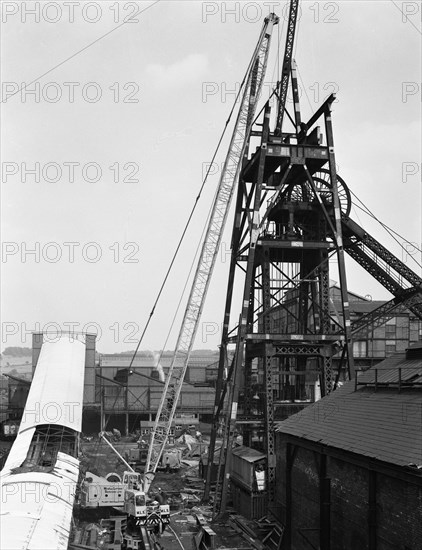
(145, 512)
(135, 504)
(132, 479)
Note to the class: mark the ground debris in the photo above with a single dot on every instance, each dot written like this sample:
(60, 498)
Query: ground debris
(184, 491)
(189, 498)
(269, 531)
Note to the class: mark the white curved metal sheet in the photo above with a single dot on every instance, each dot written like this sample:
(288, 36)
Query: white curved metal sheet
(56, 393)
(19, 450)
(36, 508)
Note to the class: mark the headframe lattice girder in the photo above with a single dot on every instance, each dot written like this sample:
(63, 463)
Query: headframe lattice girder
(406, 301)
(311, 281)
(263, 257)
(306, 215)
(396, 271)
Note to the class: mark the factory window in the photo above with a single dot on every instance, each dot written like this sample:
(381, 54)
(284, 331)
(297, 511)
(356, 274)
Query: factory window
(359, 348)
(402, 333)
(390, 331)
(378, 347)
(390, 346)
(112, 391)
(379, 332)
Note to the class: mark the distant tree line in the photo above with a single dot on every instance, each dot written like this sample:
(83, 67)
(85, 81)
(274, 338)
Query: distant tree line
(15, 351)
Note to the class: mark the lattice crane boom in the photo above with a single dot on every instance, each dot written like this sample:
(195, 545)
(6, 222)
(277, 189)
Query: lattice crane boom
(207, 258)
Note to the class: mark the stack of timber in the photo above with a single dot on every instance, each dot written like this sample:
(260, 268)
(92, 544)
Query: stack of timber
(205, 538)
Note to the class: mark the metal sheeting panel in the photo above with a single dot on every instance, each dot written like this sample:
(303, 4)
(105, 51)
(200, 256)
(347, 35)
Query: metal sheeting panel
(243, 466)
(248, 454)
(388, 372)
(56, 394)
(36, 508)
(251, 505)
(19, 450)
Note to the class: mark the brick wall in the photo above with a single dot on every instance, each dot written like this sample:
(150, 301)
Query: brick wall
(349, 505)
(398, 510)
(305, 500)
(399, 514)
(305, 495)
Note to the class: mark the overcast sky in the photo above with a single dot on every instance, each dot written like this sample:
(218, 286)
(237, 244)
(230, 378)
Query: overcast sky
(117, 120)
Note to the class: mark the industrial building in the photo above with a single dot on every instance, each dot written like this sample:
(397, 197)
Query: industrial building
(372, 343)
(138, 399)
(118, 397)
(384, 335)
(349, 468)
(135, 399)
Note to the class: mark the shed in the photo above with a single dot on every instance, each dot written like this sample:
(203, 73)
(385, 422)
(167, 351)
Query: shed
(245, 462)
(247, 477)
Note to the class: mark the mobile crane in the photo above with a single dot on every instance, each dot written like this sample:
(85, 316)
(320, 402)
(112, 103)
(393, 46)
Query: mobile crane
(147, 515)
(230, 173)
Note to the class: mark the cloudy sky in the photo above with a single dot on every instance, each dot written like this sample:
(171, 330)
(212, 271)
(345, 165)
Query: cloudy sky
(107, 126)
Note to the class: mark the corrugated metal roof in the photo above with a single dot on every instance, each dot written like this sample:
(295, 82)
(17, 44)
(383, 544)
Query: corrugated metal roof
(147, 360)
(250, 455)
(395, 367)
(385, 425)
(361, 307)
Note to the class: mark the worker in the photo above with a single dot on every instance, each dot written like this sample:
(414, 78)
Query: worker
(163, 496)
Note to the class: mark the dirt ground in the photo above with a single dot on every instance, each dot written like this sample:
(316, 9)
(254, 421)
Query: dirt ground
(184, 492)
(186, 527)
